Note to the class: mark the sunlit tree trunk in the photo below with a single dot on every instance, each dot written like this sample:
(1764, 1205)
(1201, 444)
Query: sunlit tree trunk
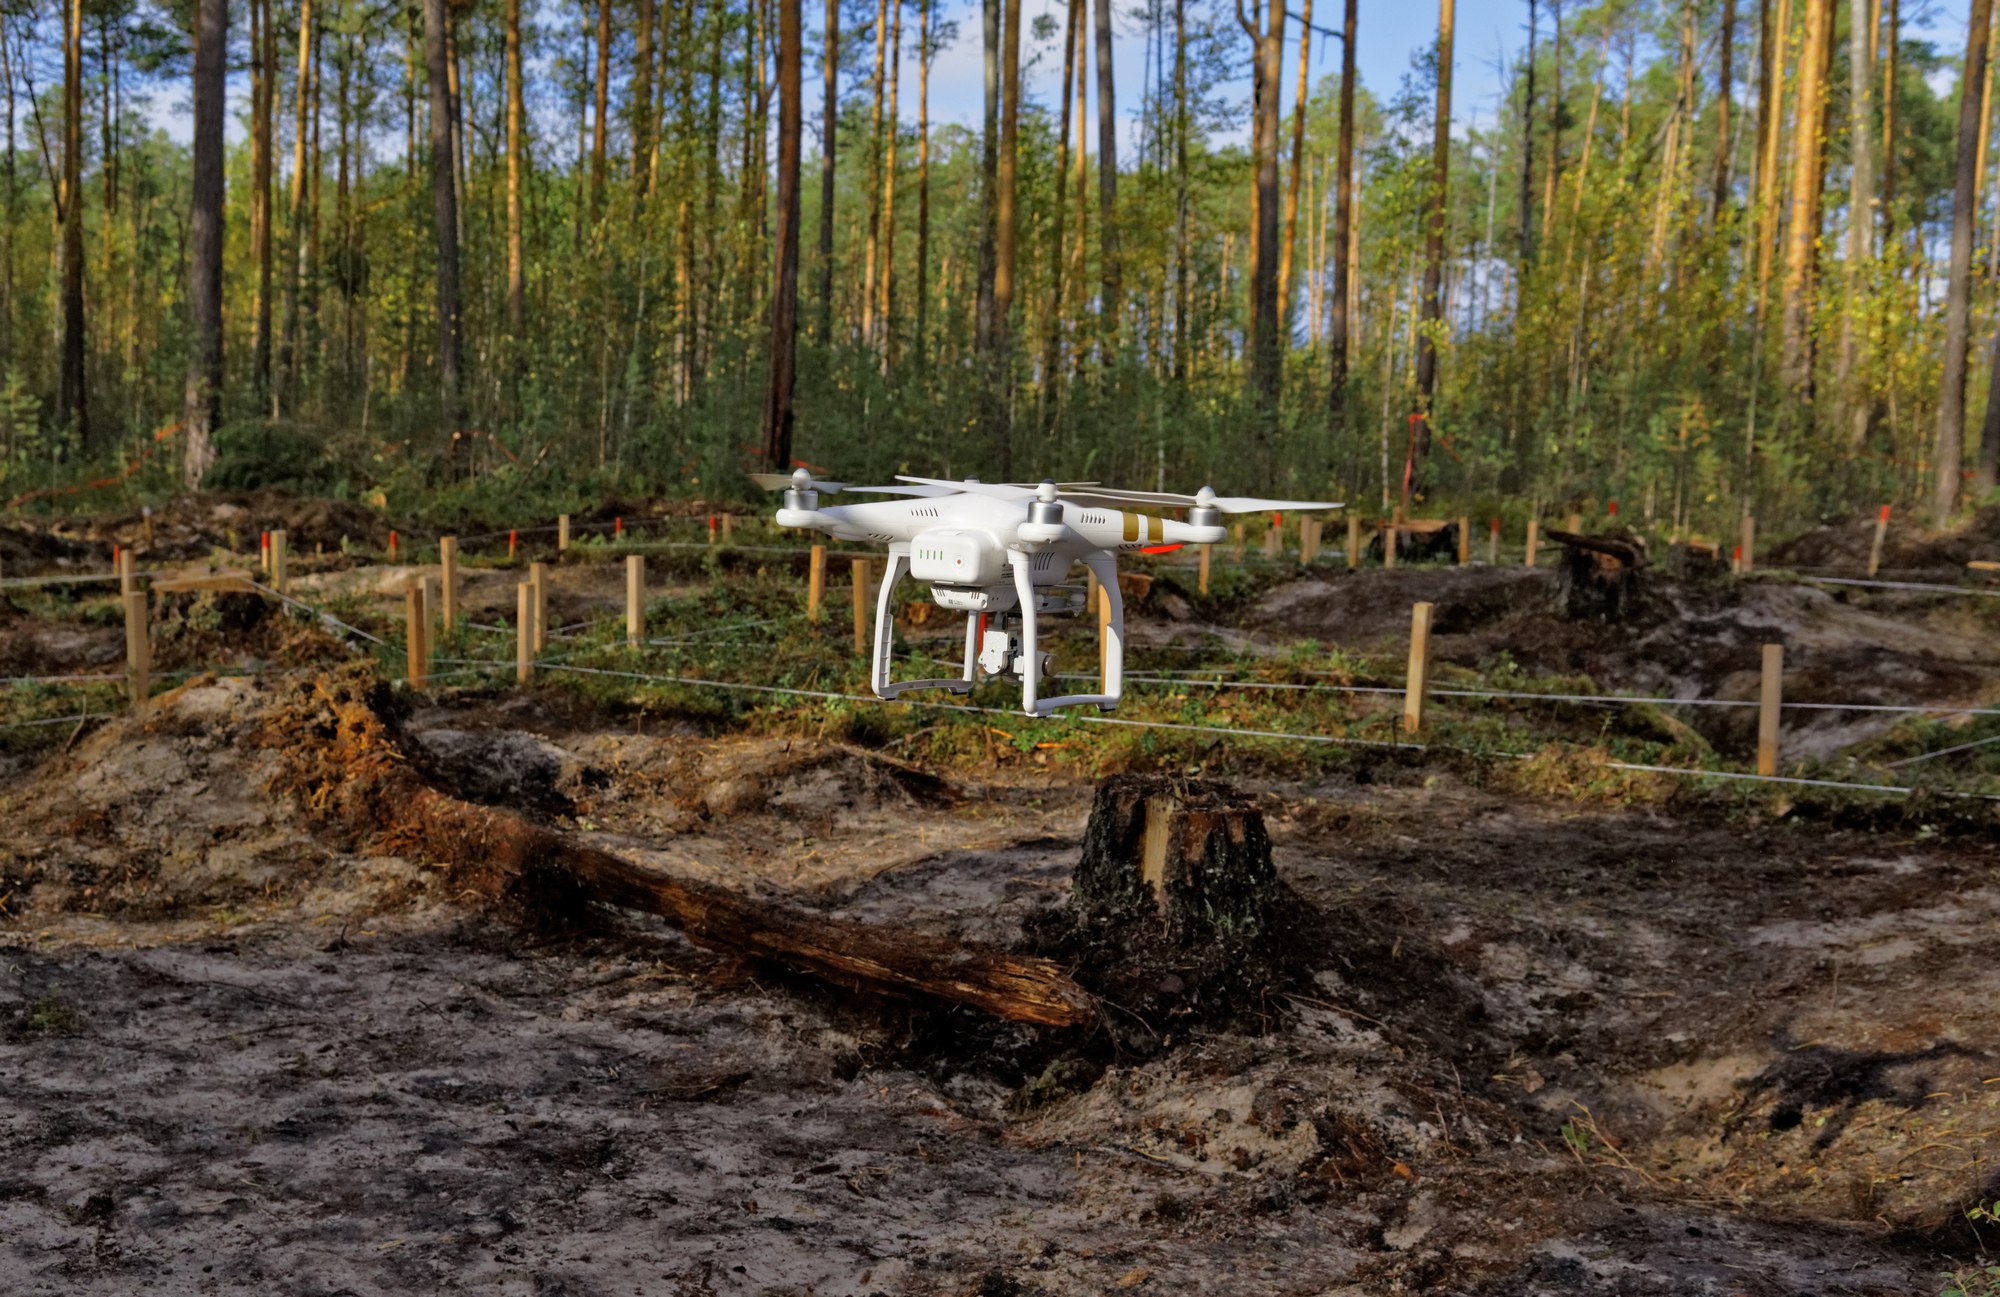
(924, 55)
(887, 278)
(1183, 215)
(263, 94)
(203, 410)
(1299, 100)
(641, 106)
(1266, 353)
(1803, 219)
(1554, 173)
(1860, 213)
(1527, 231)
(785, 291)
(1724, 104)
(1052, 318)
(1949, 452)
(517, 129)
(295, 267)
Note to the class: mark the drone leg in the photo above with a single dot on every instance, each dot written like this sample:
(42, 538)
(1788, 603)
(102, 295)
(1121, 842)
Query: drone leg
(885, 622)
(1024, 587)
(1105, 567)
(971, 646)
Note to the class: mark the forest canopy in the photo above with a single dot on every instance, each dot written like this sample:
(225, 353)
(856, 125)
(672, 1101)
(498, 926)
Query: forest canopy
(1708, 257)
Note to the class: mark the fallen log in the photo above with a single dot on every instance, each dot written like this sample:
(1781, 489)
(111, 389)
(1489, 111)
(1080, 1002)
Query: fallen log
(352, 772)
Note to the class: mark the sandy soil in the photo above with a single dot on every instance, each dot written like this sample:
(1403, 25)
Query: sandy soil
(1549, 1048)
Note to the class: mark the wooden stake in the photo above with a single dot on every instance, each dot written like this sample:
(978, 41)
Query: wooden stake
(524, 633)
(1875, 550)
(1274, 542)
(1236, 541)
(146, 523)
(562, 532)
(1420, 668)
(513, 539)
(1353, 542)
(392, 546)
(125, 583)
(1493, 544)
(138, 650)
(541, 608)
(1464, 540)
(815, 583)
(728, 527)
(264, 552)
(1206, 559)
(1389, 546)
(635, 607)
(1576, 524)
(860, 605)
(1749, 542)
(278, 561)
(414, 632)
(1534, 538)
(1769, 701)
(448, 580)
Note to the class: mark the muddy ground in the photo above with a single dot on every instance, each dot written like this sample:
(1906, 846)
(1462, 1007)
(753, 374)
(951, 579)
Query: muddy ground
(1547, 1048)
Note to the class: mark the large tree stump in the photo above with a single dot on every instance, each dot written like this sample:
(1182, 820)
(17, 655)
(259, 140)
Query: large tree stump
(1193, 854)
(1599, 577)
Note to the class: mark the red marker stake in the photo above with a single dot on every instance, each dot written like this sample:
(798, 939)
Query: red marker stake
(392, 547)
(617, 527)
(1614, 508)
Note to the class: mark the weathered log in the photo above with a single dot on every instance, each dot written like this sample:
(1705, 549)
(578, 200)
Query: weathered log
(1193, 853)
(1418, 540)
(355, 773)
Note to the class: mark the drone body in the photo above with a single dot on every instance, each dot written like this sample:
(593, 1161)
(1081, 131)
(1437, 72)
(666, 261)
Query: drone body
(1002, 555)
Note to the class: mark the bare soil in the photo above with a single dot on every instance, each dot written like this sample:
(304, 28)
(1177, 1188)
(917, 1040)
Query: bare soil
(1547, 1048)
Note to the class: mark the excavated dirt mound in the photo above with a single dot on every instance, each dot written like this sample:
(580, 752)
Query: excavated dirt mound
(1681, 639)
(1843, 544)
(193, 526)
(26, 552)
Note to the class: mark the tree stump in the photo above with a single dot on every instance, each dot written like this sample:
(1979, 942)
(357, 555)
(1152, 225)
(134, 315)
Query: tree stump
(1193, 854)
(1599, 577)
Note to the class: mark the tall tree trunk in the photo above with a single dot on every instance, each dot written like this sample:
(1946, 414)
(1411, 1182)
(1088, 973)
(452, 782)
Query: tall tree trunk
(1769, 183)
(1892, 40)
(1860, 213)
(1950, 449)
(1555, 118)
(204, 379)
(870, 252)
(829, 144)
(1052, 318)
(1726, 79)
(517, 130)
(887, 279)
(1287, 250)
(1111, 307)
(1434, 248)
(71, 400)
(263, 97)
(1340, 327)
(642, 99)
(1006, 229)
(1266, 347)
(983, 335)
(924, 53)
(1802, 223)
(785, 292)
(296, 254)
(1528, 154)
(601, 105)
(1183, 344)
(444, 202)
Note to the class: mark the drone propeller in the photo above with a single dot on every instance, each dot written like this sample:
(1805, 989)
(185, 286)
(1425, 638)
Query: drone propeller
(803, 481)
(1205, 498)
(973, 486)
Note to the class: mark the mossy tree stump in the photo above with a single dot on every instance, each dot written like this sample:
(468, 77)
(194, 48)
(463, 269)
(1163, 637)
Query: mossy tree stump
(1193, 854)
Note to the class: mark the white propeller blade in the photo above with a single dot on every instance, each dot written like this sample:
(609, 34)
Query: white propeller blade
(998, 490)
(783, 481)
(1251, 504)
(922, 491)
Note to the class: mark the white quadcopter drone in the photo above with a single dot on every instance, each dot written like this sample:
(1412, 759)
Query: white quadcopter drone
(964, 537)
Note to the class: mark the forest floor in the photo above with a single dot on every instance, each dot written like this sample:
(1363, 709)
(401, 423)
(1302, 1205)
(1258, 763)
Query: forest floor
(1562, 1034)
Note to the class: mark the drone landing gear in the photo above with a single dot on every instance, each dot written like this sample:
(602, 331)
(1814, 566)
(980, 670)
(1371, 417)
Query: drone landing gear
(885, 638)
(1105, 568)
